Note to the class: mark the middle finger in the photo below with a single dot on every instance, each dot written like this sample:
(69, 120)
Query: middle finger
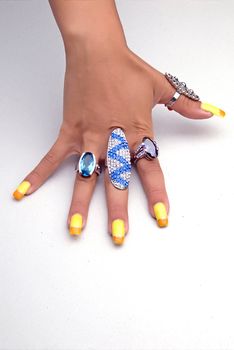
(117, 177)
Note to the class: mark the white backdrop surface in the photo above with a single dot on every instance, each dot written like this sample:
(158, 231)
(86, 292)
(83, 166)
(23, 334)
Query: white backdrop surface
(163, 289)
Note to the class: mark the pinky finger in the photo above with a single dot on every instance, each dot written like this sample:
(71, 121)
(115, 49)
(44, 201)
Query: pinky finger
(153, 182)
(43, 170)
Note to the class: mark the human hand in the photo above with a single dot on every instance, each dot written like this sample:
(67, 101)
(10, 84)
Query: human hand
(102, 91)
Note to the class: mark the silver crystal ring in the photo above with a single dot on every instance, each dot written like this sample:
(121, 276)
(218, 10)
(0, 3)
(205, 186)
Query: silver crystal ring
(87, 165)
(181, 89)
(147, 149)
(118, 159)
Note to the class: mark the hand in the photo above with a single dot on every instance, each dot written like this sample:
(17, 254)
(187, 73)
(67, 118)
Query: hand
(101, 92)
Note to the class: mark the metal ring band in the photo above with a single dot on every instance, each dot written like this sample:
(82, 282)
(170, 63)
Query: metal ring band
(98, 169)
(173, 100)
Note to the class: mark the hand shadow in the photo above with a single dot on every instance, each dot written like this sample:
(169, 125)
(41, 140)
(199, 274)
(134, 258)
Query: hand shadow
(170, 124)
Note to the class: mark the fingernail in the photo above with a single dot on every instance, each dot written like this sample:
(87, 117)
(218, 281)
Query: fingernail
(76, 224)
(21, 190)
(161, 214)
(118, 231)
(215, 110)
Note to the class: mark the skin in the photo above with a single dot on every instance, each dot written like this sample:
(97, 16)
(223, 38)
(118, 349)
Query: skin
(106, 85)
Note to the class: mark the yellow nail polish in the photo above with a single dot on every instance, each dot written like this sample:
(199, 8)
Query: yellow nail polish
(118, 231)
(215, 110)
(161, 214)
(21, 190)
(76, 224)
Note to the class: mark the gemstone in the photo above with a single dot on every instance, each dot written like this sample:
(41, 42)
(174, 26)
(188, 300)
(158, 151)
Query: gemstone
(118, 159)
(87, 164)
(150, 147)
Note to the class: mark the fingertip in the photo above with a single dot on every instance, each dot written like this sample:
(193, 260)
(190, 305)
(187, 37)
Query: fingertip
(162, 222)
(194, 109)
(76, 224)
(75, 231)
(118, 231)
(118, 240)
(17, 195)
(212, 109)
(21, 190)
(161, 214)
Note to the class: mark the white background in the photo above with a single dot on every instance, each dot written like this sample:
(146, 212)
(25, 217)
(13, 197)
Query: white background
(164, 288)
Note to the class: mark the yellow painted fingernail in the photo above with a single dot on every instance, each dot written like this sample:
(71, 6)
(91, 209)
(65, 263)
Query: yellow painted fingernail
(215, 110)
(21, 190)
(76, 224)
(161, 214)
(118, 231)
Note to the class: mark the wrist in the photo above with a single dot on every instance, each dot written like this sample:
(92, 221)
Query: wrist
(89, 25)
(87, 48)
(80, 41)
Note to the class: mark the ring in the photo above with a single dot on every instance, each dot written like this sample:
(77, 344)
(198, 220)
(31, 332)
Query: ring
(118, 159)
(181, 89)
(87, 165)
(148, 149)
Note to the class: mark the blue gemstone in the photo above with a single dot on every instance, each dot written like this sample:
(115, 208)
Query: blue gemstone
(87, 164)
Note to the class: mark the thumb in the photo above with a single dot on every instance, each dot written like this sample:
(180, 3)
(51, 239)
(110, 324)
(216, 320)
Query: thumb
(184, 105)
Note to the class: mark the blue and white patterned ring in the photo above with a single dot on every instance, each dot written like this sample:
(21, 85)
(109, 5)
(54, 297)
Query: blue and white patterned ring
(118, 159)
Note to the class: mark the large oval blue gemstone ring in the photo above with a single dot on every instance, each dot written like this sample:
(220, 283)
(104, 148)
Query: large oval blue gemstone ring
(87, 165)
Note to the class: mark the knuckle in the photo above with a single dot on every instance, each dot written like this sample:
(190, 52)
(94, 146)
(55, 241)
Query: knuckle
(35, 176)
(79, 205)
(68, 133)
(117, 205)
(185, 101)
(157, 191)
(143, 126)
(91, 140)
(139, 133)
(50, 158)
(156, 194)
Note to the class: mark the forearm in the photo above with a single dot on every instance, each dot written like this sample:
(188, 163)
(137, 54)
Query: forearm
(88, 24)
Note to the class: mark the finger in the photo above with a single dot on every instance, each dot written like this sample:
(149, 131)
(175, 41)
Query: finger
(195, 109)
(117, 175)
(58, 152)
(117, 204)
(82, 194)
(184, 105)
(153, 182)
